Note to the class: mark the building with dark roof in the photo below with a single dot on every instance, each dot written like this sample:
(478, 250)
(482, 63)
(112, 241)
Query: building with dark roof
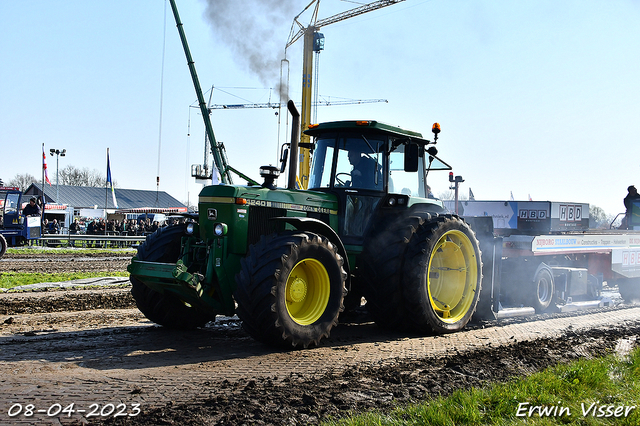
(89, 202)
(82, 197)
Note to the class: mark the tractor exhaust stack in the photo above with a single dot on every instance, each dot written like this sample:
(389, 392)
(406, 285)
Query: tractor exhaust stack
(295, 136)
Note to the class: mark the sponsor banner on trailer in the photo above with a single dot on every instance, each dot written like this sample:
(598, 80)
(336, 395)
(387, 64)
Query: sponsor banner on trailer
(626, 261)
(504, 213)
(569, 216)
(548, 244)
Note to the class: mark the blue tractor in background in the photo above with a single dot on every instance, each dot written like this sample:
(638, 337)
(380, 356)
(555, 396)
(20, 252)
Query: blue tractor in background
(15, 228)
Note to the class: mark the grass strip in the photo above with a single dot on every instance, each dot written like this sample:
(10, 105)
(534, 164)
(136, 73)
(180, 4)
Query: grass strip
(14, 279)
(585, 392)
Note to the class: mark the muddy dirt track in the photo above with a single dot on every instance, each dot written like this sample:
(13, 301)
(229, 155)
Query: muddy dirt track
(91, 348)
(60, 263)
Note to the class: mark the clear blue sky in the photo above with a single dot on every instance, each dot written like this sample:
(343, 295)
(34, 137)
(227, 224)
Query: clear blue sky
(536, 98)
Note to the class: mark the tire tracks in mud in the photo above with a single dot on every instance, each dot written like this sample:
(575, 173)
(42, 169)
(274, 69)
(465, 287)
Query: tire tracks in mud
(92, 346)
(218, 375)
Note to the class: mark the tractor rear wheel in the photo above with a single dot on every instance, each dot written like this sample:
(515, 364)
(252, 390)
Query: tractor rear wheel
(290, 289)
(166, 309)
(381, 270)
(3, 246)
(442, 275)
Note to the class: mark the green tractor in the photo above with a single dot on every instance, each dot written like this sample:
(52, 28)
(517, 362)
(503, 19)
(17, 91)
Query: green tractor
(289, 260)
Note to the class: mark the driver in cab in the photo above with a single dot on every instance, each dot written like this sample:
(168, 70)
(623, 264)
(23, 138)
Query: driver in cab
(364, 171)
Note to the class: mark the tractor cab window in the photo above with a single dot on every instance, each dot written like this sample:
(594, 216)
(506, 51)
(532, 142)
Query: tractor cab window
(11, 203)
(321, 163)
(3, 195)
(412, 183)
(401, 182)
(359, 163)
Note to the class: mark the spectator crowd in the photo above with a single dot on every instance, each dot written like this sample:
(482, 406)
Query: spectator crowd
(126, 227)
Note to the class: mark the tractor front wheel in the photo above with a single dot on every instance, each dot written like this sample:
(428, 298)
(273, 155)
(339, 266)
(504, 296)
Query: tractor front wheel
(442, 275)
(290, 289)
(165, 308)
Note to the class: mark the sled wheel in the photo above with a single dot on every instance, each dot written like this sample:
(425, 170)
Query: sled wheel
(629, 289)
(290, 289)
(443, 275)
(543, 289)
(165, 308)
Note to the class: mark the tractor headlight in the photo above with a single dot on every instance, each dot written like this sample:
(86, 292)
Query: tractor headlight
(190, 228)
(220, 229)
(397, 201)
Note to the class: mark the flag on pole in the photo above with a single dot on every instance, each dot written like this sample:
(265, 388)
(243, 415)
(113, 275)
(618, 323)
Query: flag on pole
(512, 199)
(530, 197)
(471, 196)
(44, 165)
(110, 181)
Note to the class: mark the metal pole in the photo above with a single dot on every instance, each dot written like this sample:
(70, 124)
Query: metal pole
(456, 184)
(305, 113)
(106, 186)
(44, 156)
(57, 181)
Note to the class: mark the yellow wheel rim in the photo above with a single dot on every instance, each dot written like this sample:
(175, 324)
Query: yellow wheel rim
(453, 276)
(307, 291)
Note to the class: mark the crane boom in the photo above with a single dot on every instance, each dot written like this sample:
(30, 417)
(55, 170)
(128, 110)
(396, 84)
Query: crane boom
(274, 105)
(337, 17)
(355, 12)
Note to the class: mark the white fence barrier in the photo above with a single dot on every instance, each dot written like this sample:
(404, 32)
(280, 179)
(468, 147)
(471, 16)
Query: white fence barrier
(78, 240)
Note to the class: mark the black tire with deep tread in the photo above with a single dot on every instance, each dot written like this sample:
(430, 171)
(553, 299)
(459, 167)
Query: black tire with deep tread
(3, 246)
(261, 286)
(380, 268)
(166, 308)
(419, 312)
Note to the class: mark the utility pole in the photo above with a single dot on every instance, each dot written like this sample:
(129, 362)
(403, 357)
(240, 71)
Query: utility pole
(456, 181)
(58, 154)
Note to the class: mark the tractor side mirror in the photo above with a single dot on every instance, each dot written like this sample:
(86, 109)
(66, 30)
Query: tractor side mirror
(411, 155)
(284, 155)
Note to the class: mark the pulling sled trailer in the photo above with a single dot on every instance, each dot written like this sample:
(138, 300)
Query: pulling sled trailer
(545, 257)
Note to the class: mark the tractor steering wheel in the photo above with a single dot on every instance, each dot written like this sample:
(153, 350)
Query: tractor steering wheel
(339, 181)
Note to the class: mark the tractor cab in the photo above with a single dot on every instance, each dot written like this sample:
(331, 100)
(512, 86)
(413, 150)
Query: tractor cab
(10, 207)
(15, 229)
(374, 169)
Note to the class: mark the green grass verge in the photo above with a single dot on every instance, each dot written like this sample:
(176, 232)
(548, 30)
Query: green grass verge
(14, 279)
(585, 392)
